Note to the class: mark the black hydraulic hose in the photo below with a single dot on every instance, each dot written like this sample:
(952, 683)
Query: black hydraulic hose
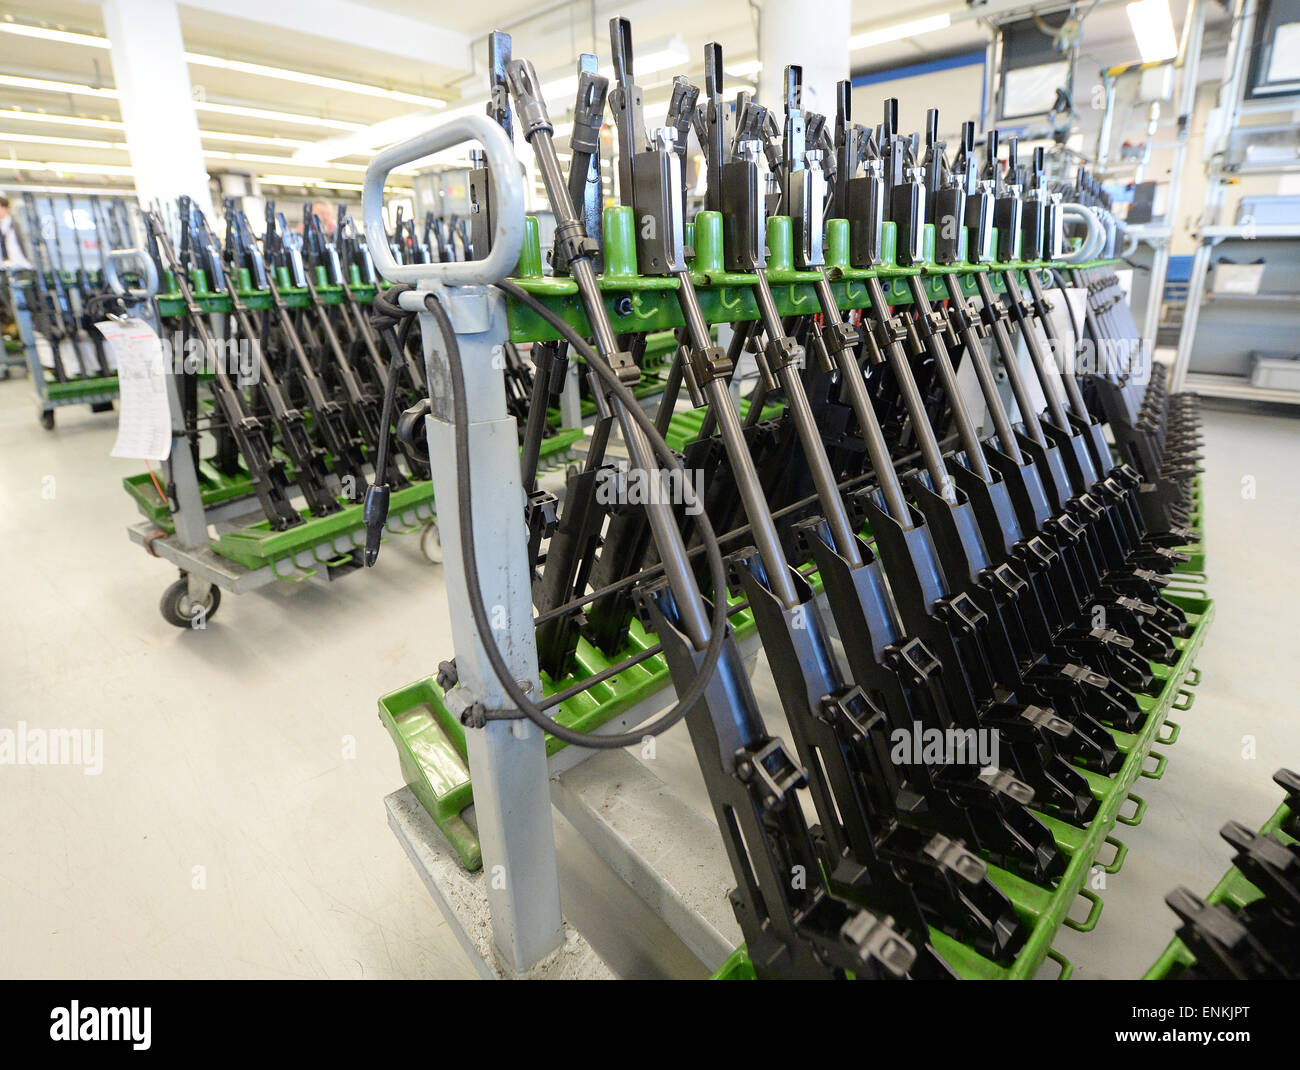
(1069, 309)
(386, 315)
(718, 625)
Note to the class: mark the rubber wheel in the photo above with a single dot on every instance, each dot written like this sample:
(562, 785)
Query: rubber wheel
(431, 543)
(47, 419)
(176, 608)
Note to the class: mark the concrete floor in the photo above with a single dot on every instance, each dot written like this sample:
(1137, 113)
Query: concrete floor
(252, 748)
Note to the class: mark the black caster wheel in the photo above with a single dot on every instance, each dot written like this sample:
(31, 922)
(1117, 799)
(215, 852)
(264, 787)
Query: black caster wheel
(177, 609)
(47, 419)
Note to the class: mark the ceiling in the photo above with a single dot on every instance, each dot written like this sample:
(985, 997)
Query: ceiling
(435, 52)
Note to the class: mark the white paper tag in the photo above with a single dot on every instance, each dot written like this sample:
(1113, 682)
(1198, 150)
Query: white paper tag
(144, 422)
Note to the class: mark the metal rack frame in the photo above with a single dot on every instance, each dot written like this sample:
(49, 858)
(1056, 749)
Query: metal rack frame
(489, 858)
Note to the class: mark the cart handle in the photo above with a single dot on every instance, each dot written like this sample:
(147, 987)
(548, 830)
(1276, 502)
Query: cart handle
(507, 204)
(1094, 241)
(114, 280)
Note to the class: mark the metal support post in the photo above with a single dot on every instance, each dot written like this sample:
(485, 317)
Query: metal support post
(507, 759)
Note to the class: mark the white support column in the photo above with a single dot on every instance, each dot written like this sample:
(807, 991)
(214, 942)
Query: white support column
(153, 84)
(814, 35)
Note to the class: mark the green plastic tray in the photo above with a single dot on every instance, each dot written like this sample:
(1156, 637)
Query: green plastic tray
(1044, 909)
(431, 741)
(1234, 891)
(257, 546)
(75, 390)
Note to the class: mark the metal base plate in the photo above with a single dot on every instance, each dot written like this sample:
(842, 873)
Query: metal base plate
(461, 898)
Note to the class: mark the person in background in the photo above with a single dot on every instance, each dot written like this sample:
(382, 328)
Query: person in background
(325, 214)
(11, 243)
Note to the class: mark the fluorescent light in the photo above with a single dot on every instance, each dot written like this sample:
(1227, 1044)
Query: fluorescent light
(252, 139)
(117, 124)
(123, 169)
(300, 180)
(61, 120)
(253, 157)
(18, 187)
(744, 67)
(46, 85)
(264, 70)
(68, 142)
(49, 33)
(80, 89)
(384, 132)
(276, 116)
(561, 88)
(1154, 29)
(898, 31)
(120, 146)
(673, 53)
(319, 80)
(67, 168)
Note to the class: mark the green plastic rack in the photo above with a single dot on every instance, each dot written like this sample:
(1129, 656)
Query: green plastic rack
(430, 740)
(256, 546)
(1044, 910)
(1233, 891)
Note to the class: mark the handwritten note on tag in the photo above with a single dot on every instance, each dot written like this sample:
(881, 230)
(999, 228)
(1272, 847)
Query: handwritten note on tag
(144, 424)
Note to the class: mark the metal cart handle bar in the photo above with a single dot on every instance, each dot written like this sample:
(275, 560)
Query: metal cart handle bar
(507, 204)
(1094, 241)
(114, 280)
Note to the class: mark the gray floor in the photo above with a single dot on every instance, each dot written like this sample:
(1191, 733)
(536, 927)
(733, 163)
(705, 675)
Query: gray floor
(252, 749)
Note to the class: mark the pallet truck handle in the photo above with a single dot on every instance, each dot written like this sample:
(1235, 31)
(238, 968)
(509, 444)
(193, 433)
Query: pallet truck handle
(1093, 240)
(507, 204)
(114, 280)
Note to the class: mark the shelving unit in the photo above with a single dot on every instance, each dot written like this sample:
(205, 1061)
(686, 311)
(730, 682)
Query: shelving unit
(1201, 307)
(1227, 159)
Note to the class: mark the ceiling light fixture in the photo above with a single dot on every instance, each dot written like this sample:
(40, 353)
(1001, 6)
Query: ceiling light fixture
(18, 115)
(48, 85)
(22, 116)
(321, 81)
(299, 180)
(1154, 29)
(898, 31)
(67, 142)
(294, 118)
(252, 139)
(253, 157)
(67, 168)
(50, 33)
(264, 70)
